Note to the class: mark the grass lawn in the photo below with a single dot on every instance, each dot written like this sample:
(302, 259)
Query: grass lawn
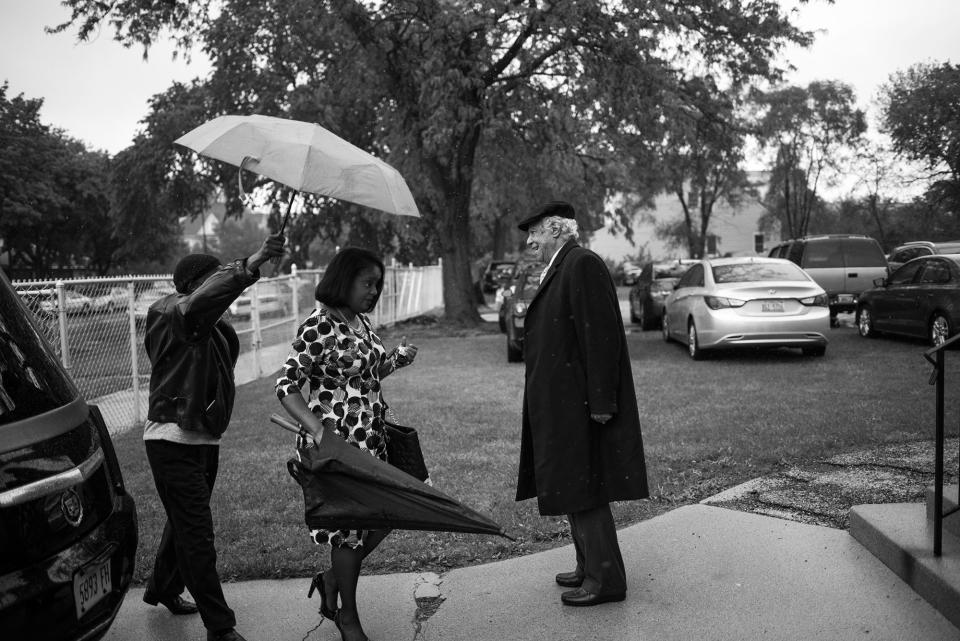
(707, 426)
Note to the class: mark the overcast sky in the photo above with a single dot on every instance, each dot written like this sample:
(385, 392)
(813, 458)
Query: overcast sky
(98, 91)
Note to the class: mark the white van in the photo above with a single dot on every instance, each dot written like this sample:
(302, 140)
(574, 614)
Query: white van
(843, 264)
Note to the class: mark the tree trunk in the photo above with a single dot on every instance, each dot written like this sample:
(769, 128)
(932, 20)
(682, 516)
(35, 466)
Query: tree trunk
(459, 301)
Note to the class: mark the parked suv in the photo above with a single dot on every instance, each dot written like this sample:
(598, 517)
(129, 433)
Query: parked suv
(843, 265)
(917, 248)
(68, 527)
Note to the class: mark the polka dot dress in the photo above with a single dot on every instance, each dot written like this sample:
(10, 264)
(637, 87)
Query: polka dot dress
(341, 366)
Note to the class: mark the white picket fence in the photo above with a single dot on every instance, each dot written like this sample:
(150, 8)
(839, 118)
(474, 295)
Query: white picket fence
(96, 326)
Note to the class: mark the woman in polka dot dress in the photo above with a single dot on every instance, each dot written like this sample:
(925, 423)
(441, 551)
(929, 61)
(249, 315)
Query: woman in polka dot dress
(342, 361)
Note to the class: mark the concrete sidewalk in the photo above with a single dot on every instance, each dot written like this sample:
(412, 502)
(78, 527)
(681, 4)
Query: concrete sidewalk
(696, 573)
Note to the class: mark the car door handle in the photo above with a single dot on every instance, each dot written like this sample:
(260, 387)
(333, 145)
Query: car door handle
(853, 275)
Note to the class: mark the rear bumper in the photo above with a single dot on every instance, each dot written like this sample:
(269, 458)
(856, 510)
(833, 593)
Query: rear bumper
(37, 602)
(726, 330)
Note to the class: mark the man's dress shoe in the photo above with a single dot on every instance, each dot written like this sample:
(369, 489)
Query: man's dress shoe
(570, 579)
(582, 598)
(176, 605)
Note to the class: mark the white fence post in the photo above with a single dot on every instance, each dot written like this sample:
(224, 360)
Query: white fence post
(134, 355)
(62, 315)
(255, 325)
(295, 307)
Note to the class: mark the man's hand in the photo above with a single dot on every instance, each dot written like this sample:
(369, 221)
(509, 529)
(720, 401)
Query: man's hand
(601, 418)
(272, 247)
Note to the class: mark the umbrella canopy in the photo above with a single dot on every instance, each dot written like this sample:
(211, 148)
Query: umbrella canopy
(346, 488)
(305, 157)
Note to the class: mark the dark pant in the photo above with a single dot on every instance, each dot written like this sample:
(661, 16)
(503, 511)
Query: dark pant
(184, 476)
(598, 553)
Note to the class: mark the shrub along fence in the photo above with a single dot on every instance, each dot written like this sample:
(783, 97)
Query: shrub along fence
(96, 326)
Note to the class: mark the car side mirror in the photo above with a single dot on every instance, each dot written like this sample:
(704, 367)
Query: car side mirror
(879, 282)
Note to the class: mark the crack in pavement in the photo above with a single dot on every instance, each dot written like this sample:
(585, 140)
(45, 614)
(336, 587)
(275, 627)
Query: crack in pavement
(427, 596)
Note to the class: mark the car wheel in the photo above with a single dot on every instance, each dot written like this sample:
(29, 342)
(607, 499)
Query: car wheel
(814, 351)
(665, 328)
(693, 343)
(514, 354)
(634, 318)
(940, 329)
(502, 321)
(865, 323)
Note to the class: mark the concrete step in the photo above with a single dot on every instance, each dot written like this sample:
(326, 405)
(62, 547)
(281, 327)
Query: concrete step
(951, 523)
(900, 535)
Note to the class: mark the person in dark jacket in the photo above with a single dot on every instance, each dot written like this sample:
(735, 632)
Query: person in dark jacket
(581, 446)
(192, 352)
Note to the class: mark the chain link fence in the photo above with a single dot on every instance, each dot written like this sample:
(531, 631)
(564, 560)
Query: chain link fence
(96, 326)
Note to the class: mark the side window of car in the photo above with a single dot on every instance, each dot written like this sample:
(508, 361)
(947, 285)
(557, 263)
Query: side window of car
(646, 275)
(935, 272)
(905, 274)
(693, 277)
(822, 253)
(863, 252)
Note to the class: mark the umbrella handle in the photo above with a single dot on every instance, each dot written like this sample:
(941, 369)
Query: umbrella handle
(283, 225)
(290, 426)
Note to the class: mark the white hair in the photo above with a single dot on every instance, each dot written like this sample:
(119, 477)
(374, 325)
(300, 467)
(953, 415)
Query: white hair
(567, 226)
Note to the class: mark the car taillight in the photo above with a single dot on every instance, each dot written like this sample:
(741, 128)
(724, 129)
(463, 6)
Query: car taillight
(820, 300)
(113, 465)
(719, 302)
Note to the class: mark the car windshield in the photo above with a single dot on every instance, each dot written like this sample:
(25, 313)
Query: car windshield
(664, 284)
(669, 271)
(31, 380)
(752, 272)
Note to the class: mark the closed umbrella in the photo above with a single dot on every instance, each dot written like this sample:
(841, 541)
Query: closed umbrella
(346, 488)
(305, 157)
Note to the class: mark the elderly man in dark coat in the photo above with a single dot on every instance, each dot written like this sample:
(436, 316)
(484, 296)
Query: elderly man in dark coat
(581, 446)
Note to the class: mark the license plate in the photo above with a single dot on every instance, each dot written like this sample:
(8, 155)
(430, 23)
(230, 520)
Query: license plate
(845, 298)
(771, 306)
(518, 321)
(90, 585)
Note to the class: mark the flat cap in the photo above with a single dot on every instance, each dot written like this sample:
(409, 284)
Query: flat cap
(553, 208)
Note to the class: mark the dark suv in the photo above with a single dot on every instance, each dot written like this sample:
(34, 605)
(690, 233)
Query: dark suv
(68, 528)
(917, 248)
(843, 264)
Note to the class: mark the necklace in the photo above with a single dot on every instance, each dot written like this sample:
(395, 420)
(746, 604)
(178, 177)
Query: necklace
(356, 324)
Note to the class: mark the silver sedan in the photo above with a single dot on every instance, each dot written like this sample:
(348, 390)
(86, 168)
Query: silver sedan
(747, 302)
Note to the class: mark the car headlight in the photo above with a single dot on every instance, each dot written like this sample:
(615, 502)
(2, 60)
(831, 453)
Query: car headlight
(719, 302)
(520, 309)
(820, 300)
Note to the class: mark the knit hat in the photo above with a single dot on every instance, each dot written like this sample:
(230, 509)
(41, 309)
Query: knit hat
(191, 267)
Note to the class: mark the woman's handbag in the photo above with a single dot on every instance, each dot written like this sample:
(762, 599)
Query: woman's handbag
(403, 450)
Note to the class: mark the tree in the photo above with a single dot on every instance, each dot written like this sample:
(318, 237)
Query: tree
(54, 207)
(701, 154)
(921, 113)
(808, 129)
(422, 83)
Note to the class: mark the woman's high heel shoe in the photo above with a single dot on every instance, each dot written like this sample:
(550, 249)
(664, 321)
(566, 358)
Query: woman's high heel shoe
(317, 584)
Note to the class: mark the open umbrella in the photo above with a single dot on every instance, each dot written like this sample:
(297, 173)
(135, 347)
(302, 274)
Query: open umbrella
(346, 488)
(305, 157)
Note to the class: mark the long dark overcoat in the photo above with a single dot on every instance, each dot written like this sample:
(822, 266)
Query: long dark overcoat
(577, 364)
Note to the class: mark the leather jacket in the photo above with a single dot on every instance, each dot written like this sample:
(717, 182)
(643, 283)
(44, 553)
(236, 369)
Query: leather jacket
(193, 352)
